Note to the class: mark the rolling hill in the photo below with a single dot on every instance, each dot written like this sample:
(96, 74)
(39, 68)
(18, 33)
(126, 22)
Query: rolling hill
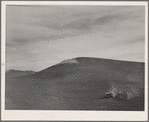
(79, 84)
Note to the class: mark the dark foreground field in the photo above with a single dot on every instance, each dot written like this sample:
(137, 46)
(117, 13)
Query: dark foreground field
(78, 84)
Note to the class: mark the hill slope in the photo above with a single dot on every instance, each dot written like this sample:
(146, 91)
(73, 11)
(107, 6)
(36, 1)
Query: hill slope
(80, 84)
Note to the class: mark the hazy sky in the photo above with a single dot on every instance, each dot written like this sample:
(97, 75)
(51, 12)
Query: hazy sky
(38, 37)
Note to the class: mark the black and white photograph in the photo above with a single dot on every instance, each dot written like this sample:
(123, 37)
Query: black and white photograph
(74, 57)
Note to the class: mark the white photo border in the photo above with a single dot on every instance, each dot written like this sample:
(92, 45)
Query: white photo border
(60, 115)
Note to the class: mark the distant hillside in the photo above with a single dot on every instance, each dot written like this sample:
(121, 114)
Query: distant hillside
(17, 73)
(80, 84)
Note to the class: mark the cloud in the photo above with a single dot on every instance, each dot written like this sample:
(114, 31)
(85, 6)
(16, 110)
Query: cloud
(49, 34)
(54, 22)
(88, 21)
(137, 39)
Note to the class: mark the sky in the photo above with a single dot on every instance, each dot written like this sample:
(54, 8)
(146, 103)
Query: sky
(38, 37)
